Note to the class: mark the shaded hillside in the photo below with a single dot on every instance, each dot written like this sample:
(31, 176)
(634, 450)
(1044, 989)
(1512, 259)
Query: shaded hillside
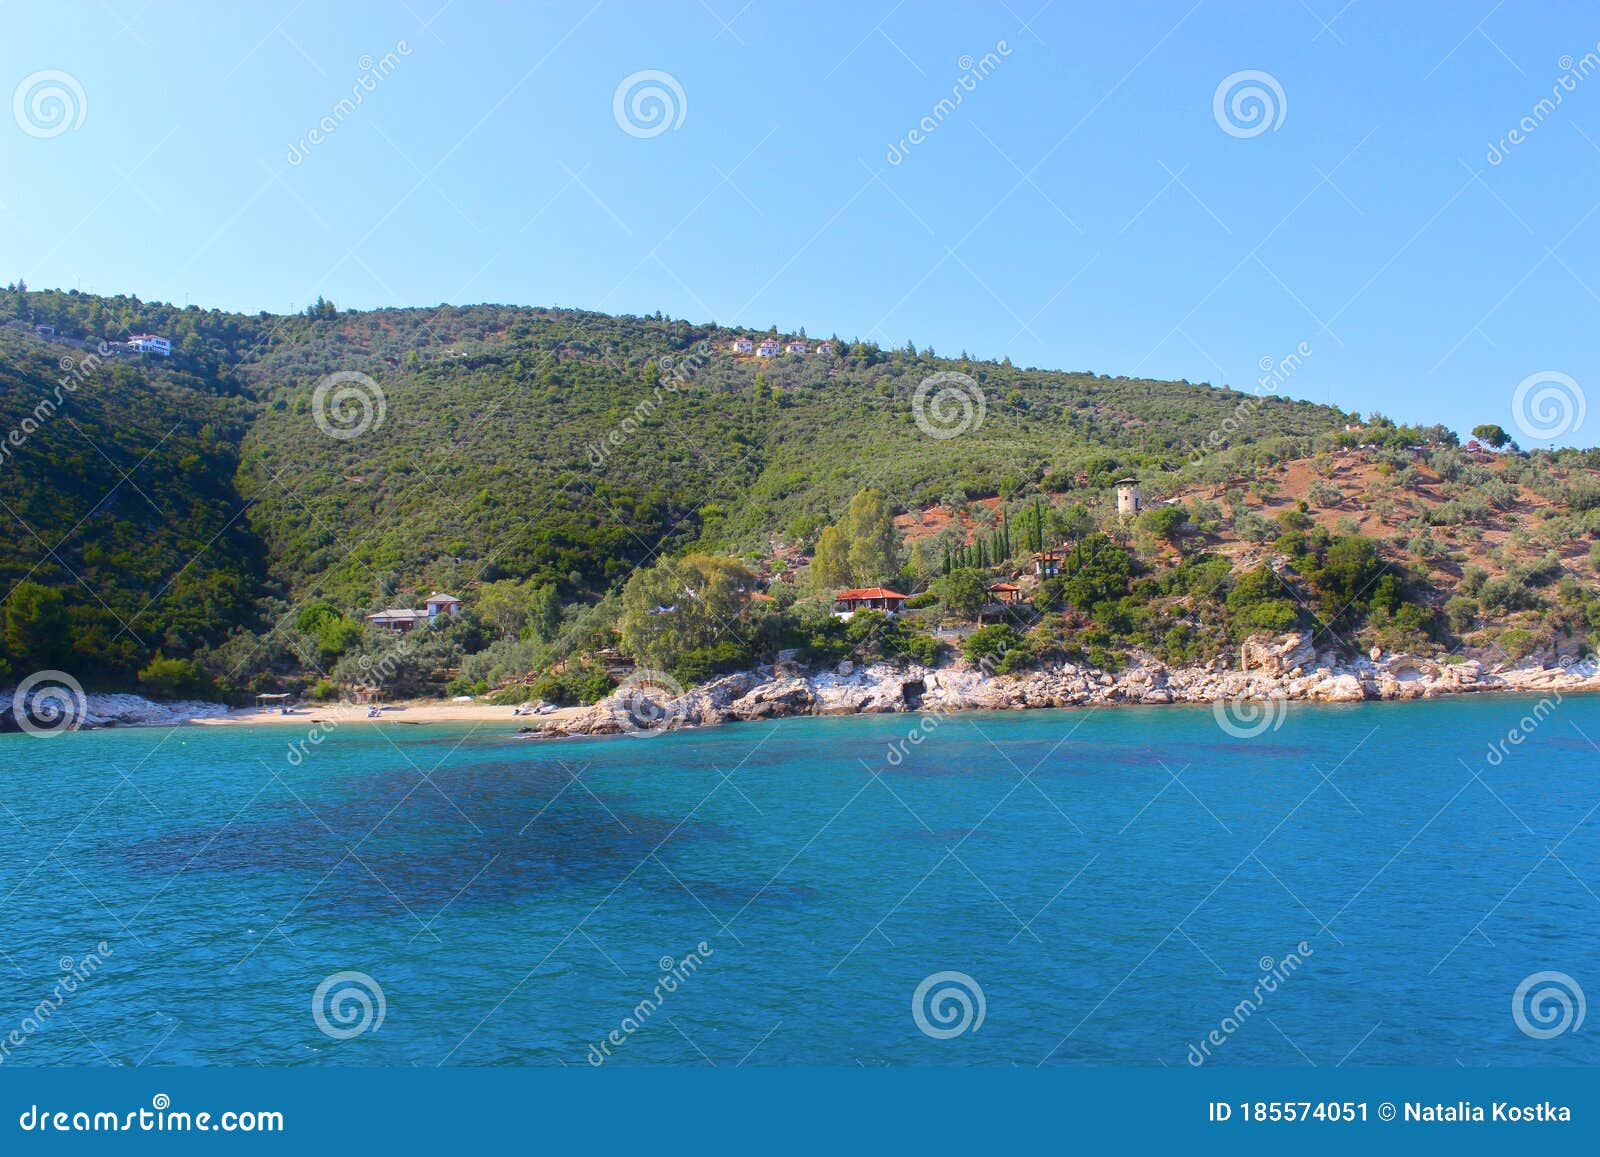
(117, 485)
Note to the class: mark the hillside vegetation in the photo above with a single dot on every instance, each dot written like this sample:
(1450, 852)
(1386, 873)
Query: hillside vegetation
(215, 523)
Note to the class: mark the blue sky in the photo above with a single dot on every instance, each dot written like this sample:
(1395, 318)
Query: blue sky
(1081, 208)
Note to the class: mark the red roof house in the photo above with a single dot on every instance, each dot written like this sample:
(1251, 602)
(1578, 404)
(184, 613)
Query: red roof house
(868, 599)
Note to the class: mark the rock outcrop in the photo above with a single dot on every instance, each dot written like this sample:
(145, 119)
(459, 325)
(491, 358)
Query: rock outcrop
(62, 709)
(1283, 667)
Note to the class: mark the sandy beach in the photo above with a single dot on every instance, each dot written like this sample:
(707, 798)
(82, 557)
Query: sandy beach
(419, 712)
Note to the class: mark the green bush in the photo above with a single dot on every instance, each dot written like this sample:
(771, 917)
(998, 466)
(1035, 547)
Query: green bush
(1163, 522)
(578, 684)
(702, 664)
(1461, 613)
(991, 642)
(164, 678)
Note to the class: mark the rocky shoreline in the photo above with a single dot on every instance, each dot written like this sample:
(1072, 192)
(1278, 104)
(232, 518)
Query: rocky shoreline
(1287, 667)
(59, 708)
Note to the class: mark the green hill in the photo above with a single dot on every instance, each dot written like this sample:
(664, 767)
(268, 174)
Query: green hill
(196, 506)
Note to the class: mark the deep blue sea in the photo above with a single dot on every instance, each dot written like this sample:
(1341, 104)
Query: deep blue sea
(1106, 887)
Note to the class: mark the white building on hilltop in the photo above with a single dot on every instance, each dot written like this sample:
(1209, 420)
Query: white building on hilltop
(149, 343)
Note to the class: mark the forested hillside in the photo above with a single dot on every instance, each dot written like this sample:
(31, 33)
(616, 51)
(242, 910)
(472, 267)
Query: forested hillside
(236, 507)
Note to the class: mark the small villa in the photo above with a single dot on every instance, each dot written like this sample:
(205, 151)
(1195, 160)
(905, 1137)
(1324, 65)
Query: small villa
(824, 347)
(847, 603)
(795, 347)
(743, 345)
(1047, 563)
(149, 343)
(403, 619)
(769, 348)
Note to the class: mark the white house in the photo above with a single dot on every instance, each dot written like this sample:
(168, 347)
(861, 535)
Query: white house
(769, 348)
(405, 619)
(149, 343)
(796, 347)
(824, 347)
(743, 345)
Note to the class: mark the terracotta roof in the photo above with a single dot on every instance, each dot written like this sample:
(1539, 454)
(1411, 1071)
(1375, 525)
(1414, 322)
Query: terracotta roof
(870, 593)
(1004, 587)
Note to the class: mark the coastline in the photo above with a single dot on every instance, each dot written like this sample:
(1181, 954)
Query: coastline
(413, 712)
(1275, 671)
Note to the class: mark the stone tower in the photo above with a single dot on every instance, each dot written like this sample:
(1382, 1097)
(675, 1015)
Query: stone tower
(1129, 500)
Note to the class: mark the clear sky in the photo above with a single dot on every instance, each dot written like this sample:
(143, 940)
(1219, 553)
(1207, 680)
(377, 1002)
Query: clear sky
(1084, 206)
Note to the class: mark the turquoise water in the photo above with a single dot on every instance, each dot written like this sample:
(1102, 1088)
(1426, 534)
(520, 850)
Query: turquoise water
(1112, 881)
